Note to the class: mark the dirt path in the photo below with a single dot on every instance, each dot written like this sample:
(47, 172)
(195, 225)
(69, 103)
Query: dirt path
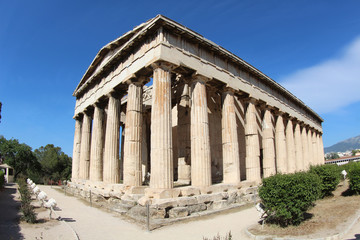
(93, 223)
(354, 232)
(9, 217)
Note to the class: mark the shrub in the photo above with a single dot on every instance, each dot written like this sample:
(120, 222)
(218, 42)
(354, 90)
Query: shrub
(2, 179)
(287, 197)
(330, 175)
(354, 178)
(26, 208)
(347, 167)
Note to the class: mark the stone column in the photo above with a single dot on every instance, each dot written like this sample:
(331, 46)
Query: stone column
(322, 158)
(111, 172)
(133, 136)
(305, 146)
(85, 147)
(318, 157)
(184, 143)
(252, 144)
(200, 138)
(315, 149)
(290, 146)
(310, 148)
(230, 143)
(97, 141)
(280, 145)
(161, 152)
(76, 149)
(298, 148)
(269, 165)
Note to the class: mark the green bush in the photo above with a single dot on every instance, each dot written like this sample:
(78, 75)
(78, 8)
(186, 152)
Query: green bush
(354, 178)
(330, 175)
(287, 197)
(2, 179)
(347, 167)
(26, 208)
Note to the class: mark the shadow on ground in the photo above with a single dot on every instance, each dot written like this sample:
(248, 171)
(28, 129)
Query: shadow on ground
(356, 237)
(9, 213)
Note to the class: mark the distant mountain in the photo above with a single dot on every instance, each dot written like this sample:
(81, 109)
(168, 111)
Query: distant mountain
(343, 146)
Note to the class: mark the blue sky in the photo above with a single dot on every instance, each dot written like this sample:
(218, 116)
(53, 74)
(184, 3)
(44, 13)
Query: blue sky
(46, 47)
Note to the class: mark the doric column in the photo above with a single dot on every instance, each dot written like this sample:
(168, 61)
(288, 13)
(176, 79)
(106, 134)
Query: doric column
(200, 138)
(305, 147)
(111, 172)
(161, 152)
(322, 159)
(269, 165)
(133, 136)
(280, 145)
(76, 149)
(230, 143)
(184, 143)
(85, 147)
(298, 148)
(315, 149)
(310, 148)
(290, 147)
(252, 143)
(97, 144)
(318, 156)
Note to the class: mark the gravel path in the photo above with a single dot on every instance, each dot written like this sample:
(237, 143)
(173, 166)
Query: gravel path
(93, 223)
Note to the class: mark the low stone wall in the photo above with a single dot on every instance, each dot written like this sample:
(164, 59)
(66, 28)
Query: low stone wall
(177, 203)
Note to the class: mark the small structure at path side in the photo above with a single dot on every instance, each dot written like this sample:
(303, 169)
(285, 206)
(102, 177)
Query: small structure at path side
(9, 172)
(198, 125)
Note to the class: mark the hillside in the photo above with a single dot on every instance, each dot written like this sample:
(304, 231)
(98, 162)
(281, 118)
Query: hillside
(348, 144)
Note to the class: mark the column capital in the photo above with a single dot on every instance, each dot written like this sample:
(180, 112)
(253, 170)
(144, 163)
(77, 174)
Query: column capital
(99, 104)
(196, 77)
(115, 94)
(78, 116)
(296, 121)
(137, 80)
(228, 89)
(252, 100)
(163, 65)
(89, 111)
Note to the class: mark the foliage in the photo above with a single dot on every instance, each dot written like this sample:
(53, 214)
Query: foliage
(2, 179)
(17, 155)
(287, 197)
(332, 155)
(27, 209)
(353, 152)
(43, 164)
(330, 175)
(55, 164)
(354, 178)
(347, 167)
(228, 236)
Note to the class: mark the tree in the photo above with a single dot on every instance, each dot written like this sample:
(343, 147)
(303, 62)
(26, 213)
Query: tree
(55, 164)
(332, 155)
(18, 155)
(354, 152)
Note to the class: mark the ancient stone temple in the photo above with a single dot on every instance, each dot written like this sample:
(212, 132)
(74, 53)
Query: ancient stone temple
(163, 113)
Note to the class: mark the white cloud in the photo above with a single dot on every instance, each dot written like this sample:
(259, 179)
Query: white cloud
(331, 84)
